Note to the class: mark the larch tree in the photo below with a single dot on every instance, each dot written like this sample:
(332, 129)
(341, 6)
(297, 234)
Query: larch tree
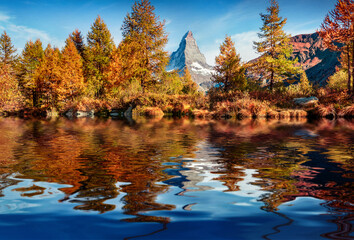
(338, 27)
(48, 78)
(274, 63)
(97, 56)
(144, 39)
(78, 40)
(10, 97)
(114, 72)
(7, 50)
(229, 71)
(29, 61)
(189, 86)
(305, 85)
(9, 91)
(71, 84)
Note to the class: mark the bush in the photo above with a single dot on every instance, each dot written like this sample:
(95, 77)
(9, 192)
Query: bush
(338, 81)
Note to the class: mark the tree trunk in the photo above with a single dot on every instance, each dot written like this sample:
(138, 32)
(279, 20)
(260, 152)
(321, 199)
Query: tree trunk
(349, 75)
(271, 81)
(353, 66)
(34, 98)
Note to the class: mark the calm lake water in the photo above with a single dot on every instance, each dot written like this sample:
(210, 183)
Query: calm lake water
(176, 179)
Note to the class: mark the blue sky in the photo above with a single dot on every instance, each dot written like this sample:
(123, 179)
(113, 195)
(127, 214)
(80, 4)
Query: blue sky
(209, 20)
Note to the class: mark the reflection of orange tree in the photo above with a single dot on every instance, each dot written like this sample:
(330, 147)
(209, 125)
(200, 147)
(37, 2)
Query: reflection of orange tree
(93, 155)
(10, 130)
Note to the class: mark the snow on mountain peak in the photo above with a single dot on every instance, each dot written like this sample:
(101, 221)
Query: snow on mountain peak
(188, 55)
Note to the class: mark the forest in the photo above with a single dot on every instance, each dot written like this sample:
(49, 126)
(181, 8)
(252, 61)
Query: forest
(99, 76)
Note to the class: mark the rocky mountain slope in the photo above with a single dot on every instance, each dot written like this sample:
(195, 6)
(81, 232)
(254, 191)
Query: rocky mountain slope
(318, 62)
(188, 55)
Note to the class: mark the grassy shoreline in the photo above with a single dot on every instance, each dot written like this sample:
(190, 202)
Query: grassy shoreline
(221, 106)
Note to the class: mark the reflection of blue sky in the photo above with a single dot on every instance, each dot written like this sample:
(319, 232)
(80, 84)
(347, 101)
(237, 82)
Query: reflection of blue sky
(210, 21)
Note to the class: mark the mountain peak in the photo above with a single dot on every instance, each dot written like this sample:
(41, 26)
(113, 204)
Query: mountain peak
(189, 35)
(188, 55)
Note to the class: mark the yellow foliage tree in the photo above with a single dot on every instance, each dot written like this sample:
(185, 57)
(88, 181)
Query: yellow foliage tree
(71, 84)
(48, 78)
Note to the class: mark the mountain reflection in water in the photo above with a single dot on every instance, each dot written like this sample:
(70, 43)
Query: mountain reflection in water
(252, 179)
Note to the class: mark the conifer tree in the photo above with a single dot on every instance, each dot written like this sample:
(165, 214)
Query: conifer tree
(144, 39)
(71, 82)
(189, 86)
(78, 40)
(338, 27)
(10, 97)
(98, 52)
(275, 63)
(230, 74)
(48, 77)
(305, 85)
(29, 61)
(7, 50)
(114, 73)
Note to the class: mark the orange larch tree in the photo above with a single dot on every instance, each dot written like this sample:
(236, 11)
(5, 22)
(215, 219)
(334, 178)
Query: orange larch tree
(72, 78)
(229, 72)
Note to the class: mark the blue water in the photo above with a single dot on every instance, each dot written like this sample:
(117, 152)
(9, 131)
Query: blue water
(175, 179)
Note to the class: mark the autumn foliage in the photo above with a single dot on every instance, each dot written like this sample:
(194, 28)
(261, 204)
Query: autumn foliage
(337, 31)
(94, 72)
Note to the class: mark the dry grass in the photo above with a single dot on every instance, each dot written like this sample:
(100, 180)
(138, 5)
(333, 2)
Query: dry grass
(272, 114)
(201, 113)
(284, 114)
(244, 113)
(150, 112)
(300, 114)
(347, 112)
(326, 111)
(243, 108)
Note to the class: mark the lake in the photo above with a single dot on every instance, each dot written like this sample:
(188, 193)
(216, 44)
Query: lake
(176, 179)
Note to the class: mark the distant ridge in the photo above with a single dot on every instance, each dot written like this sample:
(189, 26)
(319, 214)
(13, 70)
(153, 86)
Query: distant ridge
(188, 55)
(318, 61)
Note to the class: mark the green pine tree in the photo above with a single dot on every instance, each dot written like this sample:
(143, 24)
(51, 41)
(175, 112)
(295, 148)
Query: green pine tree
(97, 54)
(275, 63)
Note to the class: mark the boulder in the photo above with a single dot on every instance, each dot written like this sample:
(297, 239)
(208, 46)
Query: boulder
(72, 113)
(85, 113)
(116, 113)
(306, 101)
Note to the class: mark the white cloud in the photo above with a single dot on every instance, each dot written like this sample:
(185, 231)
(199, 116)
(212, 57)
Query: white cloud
(21, 34)
(244, 44)
(211, 53)
(167, 22)
(28, 33)
(4, 17)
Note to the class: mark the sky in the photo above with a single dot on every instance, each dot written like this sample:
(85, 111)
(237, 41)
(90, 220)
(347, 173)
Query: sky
(209, 20)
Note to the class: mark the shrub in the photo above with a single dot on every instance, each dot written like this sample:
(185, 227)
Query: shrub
(326, 111)
(338, 81)
(347, 112)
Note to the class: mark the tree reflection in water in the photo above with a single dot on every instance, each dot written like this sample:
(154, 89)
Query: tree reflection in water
(149, 157)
